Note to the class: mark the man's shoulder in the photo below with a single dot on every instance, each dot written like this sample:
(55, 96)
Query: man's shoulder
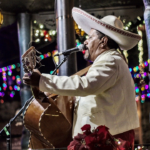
(110, 55)
(106, 56)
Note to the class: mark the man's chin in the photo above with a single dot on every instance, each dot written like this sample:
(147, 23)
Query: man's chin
(87, 58)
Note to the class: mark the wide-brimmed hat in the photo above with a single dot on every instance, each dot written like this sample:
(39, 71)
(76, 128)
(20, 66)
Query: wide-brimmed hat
(109, 25)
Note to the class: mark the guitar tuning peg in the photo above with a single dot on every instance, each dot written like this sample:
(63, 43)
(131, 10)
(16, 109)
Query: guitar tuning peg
(39, 58)
(40, 65)
(38, 62)
(38, 52)
(25, 70)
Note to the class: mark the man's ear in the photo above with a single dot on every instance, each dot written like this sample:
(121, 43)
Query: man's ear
(105, 40)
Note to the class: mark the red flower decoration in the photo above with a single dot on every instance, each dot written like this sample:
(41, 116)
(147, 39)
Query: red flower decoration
(99, 139)
(86, 129)
(78, 143)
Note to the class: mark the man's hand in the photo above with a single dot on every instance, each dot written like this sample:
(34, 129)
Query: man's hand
(39, 95)
(33, 79)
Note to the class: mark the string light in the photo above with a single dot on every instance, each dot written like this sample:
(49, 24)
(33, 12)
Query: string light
(53, 32)
(37, 40)
(18, 81)
(79, 27)
(10, 88)
(143, 65)
(51, 72)
(140, 47)
(41, 26)
(126, 28)
(12, 94)
(2, 94)
(13, 77)
(37, 31)
(45, 40)
(2, 101)
(36, 34)
(138, 17)
(77, 42)
(42, 34)
(56, 58)
(1, 18)
(45, 55)
(119, 142)
(16, 88)
(10, 72)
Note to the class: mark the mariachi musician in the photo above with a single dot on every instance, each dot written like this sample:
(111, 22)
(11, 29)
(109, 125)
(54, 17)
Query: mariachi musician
(106, 95)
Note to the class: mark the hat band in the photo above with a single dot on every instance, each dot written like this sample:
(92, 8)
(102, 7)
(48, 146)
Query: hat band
(106, 25)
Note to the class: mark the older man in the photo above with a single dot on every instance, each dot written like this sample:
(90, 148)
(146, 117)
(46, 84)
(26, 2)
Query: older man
(106, 94)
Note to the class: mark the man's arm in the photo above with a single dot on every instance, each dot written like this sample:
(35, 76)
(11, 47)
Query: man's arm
(100, 77)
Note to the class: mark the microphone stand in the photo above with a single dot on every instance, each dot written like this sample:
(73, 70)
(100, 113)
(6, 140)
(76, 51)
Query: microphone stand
(7, 127)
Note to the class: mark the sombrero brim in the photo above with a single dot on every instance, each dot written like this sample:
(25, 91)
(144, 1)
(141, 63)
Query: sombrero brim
(125, 39)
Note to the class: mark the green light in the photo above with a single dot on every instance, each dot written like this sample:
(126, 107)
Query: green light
(17, 76)
(78, 44)
(6, 131)
(142, 101)
(13, 92)
(18, 65)
(18, 88)
(8, 68)
(9, 73)
(42, 57)
(130, 23)
(0, 88)
(137, 68)
(137, 90)
(51, 72)
(14, 66)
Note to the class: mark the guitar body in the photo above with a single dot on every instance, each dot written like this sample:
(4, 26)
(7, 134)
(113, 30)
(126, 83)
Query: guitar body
(50, 121)
(50, 124)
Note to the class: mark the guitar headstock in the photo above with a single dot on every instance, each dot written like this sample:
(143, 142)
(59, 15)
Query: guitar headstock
(29, 60)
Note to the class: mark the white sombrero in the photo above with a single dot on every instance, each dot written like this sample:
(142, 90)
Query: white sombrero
(109, 25)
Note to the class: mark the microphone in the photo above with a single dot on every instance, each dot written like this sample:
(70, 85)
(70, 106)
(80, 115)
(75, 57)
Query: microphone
(81, 47)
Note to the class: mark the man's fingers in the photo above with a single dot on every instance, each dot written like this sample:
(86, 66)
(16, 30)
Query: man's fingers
(26, 75)
(26, 82)
(26, 78)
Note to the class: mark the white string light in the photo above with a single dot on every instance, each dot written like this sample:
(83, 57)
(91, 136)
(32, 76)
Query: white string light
(37, 40)
(140, 47)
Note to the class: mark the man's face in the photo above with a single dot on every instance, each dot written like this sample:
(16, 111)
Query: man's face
(92, 43)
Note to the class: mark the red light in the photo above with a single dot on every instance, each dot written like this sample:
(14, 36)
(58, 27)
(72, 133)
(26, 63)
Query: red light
(13, 77)
(10, 87)
(83, 51)
(4, 88)
(2, 101)
(45, 32)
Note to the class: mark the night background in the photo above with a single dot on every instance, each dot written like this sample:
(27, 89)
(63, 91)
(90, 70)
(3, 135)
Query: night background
(44, 39)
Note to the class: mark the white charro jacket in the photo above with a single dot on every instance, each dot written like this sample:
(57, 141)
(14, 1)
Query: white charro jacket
(107, 95)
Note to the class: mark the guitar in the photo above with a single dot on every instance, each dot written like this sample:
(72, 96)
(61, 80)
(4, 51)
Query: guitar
(49, 123)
